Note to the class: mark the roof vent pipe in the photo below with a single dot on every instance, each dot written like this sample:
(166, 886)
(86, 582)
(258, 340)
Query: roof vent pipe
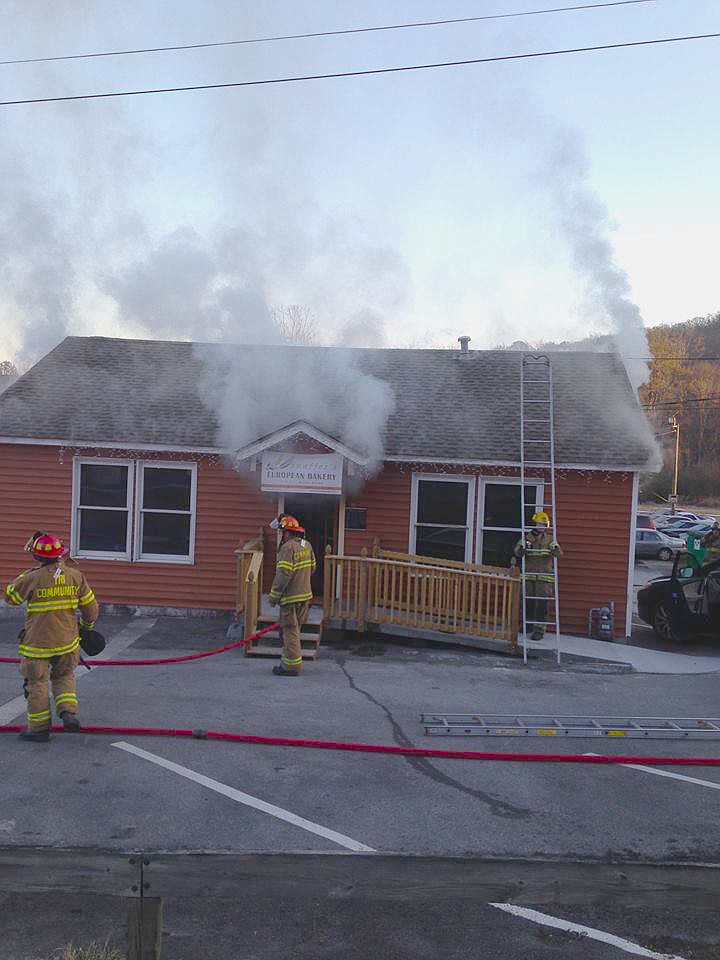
(464, 341)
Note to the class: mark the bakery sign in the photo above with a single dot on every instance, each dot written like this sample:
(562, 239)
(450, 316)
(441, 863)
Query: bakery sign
(302, 473)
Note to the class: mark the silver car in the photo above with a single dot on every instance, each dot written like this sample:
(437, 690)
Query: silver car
(654, 545)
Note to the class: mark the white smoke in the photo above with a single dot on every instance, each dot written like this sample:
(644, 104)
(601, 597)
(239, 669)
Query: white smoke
(256, 390)
(585, 225)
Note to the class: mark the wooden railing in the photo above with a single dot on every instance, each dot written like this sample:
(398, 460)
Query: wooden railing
(248, 602)
(423, 593)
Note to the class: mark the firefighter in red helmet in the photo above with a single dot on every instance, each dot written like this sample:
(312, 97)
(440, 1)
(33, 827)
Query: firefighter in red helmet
(55, 593)
(292, 590)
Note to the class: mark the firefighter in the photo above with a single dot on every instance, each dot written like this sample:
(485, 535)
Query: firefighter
(711, 544)
(538, 548)
(292, 590)
(50, 643)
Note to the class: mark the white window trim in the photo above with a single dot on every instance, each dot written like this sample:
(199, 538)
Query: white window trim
(75, 519)
(442, 478)
(503, 481)
(138, 555)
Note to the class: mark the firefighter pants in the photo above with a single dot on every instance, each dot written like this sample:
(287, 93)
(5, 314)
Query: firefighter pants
(61, 673)
(536, 610)
(292, 617)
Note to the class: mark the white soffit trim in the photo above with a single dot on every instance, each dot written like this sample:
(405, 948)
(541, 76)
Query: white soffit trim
(299, 426)
(103, 445)
(595, 467)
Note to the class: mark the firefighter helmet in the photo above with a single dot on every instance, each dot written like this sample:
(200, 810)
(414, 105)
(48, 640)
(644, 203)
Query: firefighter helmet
(541, 518)
(91, 641)
(46, 546)
(287, 523)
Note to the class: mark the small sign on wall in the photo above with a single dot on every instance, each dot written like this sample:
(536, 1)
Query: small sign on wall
(319, 473)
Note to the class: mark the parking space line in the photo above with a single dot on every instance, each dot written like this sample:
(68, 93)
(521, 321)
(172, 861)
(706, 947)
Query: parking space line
(246, 799)
(128, 635)
(656, 771)
(548, 921)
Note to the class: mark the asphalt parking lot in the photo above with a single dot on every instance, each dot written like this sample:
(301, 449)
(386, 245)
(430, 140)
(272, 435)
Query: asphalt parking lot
(128, 793)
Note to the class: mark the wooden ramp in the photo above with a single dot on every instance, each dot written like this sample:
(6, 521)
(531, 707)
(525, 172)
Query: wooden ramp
(423, 598)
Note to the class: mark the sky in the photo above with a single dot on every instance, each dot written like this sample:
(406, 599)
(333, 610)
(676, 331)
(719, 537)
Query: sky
(539, 199)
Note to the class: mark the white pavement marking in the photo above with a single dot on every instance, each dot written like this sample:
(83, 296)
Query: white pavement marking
(249, 801)
(15, 708)
(665, 773)
(547, 921)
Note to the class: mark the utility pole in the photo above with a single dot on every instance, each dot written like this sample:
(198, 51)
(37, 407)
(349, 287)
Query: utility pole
(675, 424)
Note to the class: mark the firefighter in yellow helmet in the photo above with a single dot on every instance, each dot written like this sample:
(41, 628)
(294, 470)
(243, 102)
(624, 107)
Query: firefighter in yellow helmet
(55, 594)
(539, 547)
(292, 590)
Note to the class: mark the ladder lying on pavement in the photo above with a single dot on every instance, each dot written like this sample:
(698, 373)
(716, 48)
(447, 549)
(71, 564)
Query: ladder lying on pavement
(530, 725)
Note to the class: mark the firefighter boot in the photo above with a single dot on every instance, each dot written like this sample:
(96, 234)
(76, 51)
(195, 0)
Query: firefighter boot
(280, 671)
(35, 736)
(70, 722)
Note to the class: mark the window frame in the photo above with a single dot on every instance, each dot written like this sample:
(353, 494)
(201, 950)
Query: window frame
(470, 512)
(138, 555)
(537, 482)
(78, 463)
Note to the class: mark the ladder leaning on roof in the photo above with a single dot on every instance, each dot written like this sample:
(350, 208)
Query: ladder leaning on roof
(537, 452)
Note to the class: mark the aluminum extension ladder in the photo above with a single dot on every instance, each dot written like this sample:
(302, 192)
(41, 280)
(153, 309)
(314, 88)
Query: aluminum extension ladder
(537, 452)
(505, 725)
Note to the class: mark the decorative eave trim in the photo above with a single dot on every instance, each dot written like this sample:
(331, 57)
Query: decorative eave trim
(102, 445)
(514, 463)
(299, 426)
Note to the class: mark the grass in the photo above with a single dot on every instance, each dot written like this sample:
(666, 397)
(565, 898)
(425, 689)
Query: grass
(95, 951)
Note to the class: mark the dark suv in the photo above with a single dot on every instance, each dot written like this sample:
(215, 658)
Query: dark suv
(685, 604)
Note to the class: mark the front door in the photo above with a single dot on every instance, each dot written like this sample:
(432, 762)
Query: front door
(319, 516)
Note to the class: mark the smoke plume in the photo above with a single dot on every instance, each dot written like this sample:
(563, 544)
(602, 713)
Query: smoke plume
(585, 225)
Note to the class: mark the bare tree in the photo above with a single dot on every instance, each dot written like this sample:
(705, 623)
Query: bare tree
(296, 323)
(8, 374)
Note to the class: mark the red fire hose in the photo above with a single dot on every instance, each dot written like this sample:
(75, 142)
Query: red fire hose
(152, 663)
(382, 748)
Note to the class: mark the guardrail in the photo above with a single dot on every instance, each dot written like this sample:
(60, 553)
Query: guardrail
(248, 602)
(423, 593)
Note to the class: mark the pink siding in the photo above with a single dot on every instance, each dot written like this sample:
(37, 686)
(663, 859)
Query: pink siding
(37, 486)
(594, 511)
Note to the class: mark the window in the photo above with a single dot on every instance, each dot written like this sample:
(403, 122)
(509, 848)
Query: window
(356, 518)
(441, 517)
(500, 518)
(102, 492)
(165, 526)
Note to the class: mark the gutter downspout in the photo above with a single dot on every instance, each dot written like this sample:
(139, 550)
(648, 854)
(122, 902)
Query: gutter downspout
(631, 557)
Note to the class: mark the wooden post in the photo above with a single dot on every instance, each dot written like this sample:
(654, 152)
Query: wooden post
(251, 606)
(144, 928)
(327, 583)
(362, 590)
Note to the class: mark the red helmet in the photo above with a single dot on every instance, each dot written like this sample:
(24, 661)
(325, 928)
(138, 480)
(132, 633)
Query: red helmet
(46, 546)
(287, 523)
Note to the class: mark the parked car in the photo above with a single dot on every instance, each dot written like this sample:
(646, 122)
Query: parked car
(685, 604)
(675, 527)
(645, 521)
(654, 545)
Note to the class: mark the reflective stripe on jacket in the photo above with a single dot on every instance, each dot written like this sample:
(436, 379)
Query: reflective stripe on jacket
(538, 549)
(55, 594)
(295, 567)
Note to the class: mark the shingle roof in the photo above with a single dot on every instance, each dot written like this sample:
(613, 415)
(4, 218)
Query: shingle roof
(449, 405)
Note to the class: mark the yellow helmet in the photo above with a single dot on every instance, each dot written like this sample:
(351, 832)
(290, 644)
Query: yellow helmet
(541, 517)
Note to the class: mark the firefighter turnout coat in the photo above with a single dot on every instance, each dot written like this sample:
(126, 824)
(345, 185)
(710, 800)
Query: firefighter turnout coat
(55, 593)
(538, 548)
(295, 566)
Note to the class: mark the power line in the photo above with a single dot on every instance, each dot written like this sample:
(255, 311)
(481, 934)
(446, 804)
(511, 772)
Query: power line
(359, 73)
(327, 33)
(675, 403)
